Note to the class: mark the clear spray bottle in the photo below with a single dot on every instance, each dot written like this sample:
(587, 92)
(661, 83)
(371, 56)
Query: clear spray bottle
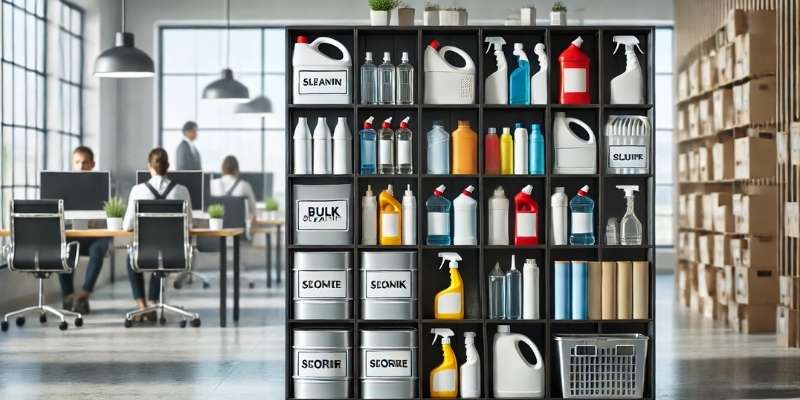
(630, 227)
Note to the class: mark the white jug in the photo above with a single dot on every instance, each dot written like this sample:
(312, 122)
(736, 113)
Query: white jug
(444, 82)
(573, 154)
(318, 78)
(514, 376)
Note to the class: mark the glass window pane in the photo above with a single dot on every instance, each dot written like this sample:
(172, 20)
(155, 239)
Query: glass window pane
(179, 51)
(6, 162)
(664, 102)
(40, 8)
(40, 86)
(55, 155)
(214, 146)
(170, 139)
(33, 156)
(243, 57)
(19, 156)
(32, 42)
(664, 50)
(75, 111)
(664, 160)
(179, 100)
(76, 21)
(76, 60)
(209, 46)
(664, 231)
(30, 92)
(664, 199)
(40, 58)
(8, 93)
(7, 32)
(19, 36)
(19, 95)
(274, 50)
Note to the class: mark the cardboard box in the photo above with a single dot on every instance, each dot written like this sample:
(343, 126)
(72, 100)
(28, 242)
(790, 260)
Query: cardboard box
(754, 102)
(705, 164)
(694, 166)
(760, 253)
(726, 63)
(722, 154)
(693, 115)
(758, 62)
(708, 71)
(722, 251)
(711, 309)
(706, 115)
(683, 85)
(789, 291)
(794, 144)
(786, 326)
(694, 78)
(695, 210)
(683, 167)
(733, 315)
(706, 280)
(705, 248)
(724, 281)
(754, 157)
(739, 21)
(791, 219)
(753, 215)
(757, 319)
(756, 286)
(723, 219)
(736, 252)
(782, 147)
(696, 303)
(708, 217)
(723, 109)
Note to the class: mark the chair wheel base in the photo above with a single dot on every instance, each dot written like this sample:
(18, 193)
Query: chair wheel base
(177, 285)
(128, 323)
(183, 323)
(43, 318)
(162, 321)
(79, 322)
(196, 323)
(20, 321)
(62, 326)
(252, 285)
(4, 326)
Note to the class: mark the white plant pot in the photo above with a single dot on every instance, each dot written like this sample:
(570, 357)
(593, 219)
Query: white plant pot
(462, 18)
(215, 223)
(448, 18)
(114, 224)
(558, 18)
(430, 18)
(379, 18)
(405, 16)
(527, 16)
(271, 215)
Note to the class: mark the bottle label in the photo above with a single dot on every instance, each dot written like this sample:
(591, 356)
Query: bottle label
(388, 284)
(322, 81)
(438, 223)
(382, 364)
(627, 156)
(385, 155)
(390, 224)
(322, 365)
(574, 80)
(321, 284)
(581, 222)
(449, 303)
(322, 215)
(526, 224)
(403, 152)
(444, 381)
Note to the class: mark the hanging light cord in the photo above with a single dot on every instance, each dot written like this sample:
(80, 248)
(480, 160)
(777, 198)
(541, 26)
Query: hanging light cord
(228, 32)
(123, 15)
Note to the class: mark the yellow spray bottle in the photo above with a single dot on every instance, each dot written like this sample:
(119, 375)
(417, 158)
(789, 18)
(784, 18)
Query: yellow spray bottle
(389, 224)
(506, 152)
(444, 378)
(449, 303)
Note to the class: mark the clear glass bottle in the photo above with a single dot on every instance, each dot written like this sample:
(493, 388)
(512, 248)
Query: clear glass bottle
(404, 149)
(386, 73)
(513, 291)
(369, 81)
(497, 293)
(630, 227)
(438, 209)
(405, 81)
(611, 232)
(386, 141)
(582, 227)
(438, 149)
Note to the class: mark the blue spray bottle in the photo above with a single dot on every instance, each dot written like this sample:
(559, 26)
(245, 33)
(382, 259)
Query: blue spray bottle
(367, 145)
(519, 86)
(536, 151)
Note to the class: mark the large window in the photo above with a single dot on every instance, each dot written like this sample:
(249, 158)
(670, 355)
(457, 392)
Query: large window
(664, 138)
(67, 134)
(191, 58)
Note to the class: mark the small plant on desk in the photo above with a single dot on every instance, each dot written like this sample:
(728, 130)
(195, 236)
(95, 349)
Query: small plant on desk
(115, 210)
(271, 207)
(215, 214)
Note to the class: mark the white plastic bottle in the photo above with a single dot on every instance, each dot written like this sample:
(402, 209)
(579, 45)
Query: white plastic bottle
(498, 217)
(369, 218)
(470, 370)
(442, 78)
(496, 87)
(530, 289)
(514, 376)
(539, 79)
(302, 147)
(409, 217)
(558, 208)
(627, 87)
(386, 141)
(342, 147)
(465, 218)
(520, 150)
(322, 148)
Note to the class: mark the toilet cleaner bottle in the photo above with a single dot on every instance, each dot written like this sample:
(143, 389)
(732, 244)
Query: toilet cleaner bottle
(389, 225)
(582, 209)
(404, 136)
(444, 378)
(506, 152)
(438, 210)
(369, 218)
(465, 218)
(409, 217)
(368, 148)
(498, 218)
(386, 141)
(526, 218)
(519, 91)
(449, 303)
(558, 211)
(575, 74)
(471, 369)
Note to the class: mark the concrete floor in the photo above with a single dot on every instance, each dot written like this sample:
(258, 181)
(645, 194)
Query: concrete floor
(103, 360)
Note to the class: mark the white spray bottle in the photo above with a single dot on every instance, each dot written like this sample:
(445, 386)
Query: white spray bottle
(302, 147)
(539, 79)
(409, 217)
(322, 148)
(627, 87)
(558, 209)
(498, 217)
(471, 369)
(465, 218)
(342, 147)
(369, 218)
(496, 88)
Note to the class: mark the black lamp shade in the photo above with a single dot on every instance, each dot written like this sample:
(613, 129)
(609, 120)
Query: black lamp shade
(123, 60)
(257, 106)
(226, 89)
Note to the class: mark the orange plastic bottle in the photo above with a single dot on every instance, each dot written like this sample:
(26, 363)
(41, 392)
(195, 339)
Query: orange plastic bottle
(465, 150)
(390, 228)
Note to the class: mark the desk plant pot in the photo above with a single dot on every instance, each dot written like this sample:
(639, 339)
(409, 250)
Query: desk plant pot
(527, 16)
(115, 210)
(430, 17)
(558, 14)
(216, 212)
(271, 209)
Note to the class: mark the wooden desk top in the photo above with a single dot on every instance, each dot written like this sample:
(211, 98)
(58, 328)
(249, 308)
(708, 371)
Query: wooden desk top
(100, 233)
(270, 222)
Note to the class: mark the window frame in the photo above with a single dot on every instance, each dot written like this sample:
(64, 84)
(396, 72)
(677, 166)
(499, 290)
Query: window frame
(671, 132)
(66, 131)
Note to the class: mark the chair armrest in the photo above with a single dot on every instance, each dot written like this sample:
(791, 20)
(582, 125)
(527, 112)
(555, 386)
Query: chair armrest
(77, 254)
(4, 252)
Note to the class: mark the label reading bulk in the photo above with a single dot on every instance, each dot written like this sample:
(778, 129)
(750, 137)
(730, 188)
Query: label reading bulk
(322, 82)
(627, 156)
(322, 284)
(388, 284)
(394, 364)
(322, 365)
(322, 215)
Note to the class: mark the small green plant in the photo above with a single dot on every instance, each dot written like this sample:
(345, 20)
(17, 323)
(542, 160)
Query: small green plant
(559, 7)
(271, 205)
(431, 7)
(114, 207)
(382, 5)
(216, 211)
(402, 4)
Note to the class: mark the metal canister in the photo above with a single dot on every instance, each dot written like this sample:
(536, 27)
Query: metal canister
(323, 361)
(323, 214)
(323, 285)
(389, 364)
(389, 285)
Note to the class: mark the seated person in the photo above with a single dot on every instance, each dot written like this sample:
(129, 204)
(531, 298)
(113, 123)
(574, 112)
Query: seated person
(231, 184)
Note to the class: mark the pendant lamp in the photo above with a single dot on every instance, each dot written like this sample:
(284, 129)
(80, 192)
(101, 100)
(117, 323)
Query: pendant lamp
(123, 60)
(259, 105)
(227, 88)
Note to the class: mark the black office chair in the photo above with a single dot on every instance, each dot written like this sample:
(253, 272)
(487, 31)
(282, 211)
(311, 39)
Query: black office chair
(38, 246)
(161, 246)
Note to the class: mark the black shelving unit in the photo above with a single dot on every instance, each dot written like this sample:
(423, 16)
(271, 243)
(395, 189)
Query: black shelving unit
(479, 259)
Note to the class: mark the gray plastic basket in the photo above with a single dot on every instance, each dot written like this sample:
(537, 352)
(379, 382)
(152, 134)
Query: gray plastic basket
(602, 366)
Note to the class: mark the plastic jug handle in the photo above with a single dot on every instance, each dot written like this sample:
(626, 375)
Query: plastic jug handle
(582, 125)
(333, 42)
(469, 65)
(529, 342)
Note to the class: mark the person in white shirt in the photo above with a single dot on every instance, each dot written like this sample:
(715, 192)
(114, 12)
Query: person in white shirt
(231, 184)
(159, 187)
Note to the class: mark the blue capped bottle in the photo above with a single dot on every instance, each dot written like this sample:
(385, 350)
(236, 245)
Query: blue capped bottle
(582, 227)
(438, 209)
(367, 145)
(536, 151)
(519, 85)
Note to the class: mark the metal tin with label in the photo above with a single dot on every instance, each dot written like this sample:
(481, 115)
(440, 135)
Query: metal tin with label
(323, 285)
(389, 364)
(389, 285)
(323, 214)
(323, 363)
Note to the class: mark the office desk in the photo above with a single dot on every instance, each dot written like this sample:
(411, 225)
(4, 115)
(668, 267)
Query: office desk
(267, 227)
(222, 234)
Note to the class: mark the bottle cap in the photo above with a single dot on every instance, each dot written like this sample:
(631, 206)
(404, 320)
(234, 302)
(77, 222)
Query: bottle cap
(438, 122)
(408, 190)
(536, 128)
(368, 56)
(439, 191)
(463, 123)
(435, 44)
(469, 337)
(493, 130)
(518, 125)
(369, 191)
(513, 262)
(389, 189)
(368, 122)
(577, 42)
(387, 56)
(499, 192)
(503, 328)
(560, 189)
(404, 122)
(583, 191)
(531, 262)
(468, 190)
(527, 190)
(302, 39)
(506, 130)
(517, 46)
(404, 57)
(387, 123)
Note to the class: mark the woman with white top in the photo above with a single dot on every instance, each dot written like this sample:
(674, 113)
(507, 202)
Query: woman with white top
(159, 187)
(231, 184)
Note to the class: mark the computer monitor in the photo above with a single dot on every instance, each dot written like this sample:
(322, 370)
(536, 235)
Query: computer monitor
(83, 192)
(193, 180)
(261, 183)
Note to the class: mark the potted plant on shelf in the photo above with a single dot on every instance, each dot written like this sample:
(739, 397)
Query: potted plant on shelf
(405, 14)
(271, 206)
(115, 210)
(431, 15)
(381, 11)
(215, 214)
(558, 14)
(527, 16)
(448, 16)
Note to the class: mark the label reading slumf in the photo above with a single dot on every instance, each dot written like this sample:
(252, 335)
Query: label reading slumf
(322, 81)
(322, 365)
(322, 284)
(388, 284)
(627, 156)
(322, 215)
(395, 364)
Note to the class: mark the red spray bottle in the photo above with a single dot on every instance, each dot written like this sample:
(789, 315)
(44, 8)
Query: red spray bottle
(575, 74)
(526, 215)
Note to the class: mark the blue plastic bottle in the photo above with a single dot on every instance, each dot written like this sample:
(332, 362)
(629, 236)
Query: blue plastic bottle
(438, 209)
(438, 149)
(580, 289)
(519, 85)
(582, 227)
(367, 139)
(562, 293)
(536, 151)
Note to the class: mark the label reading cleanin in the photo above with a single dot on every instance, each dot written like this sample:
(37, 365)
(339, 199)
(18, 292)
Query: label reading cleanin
(331, 364)
(388, 284)
(322, 284)
(627, 156)
(322, 215)
(322, 81)
(390, 363)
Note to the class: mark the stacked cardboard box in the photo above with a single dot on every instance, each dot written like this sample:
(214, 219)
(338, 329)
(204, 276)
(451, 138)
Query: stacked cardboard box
(787, 314)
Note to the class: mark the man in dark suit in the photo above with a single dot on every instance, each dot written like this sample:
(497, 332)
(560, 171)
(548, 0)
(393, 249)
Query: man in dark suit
(187, 157)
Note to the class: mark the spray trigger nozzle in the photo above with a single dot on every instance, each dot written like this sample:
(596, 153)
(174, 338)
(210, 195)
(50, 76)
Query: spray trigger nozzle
(628, 41)
(494, 41)
(629, 189)
(444, 333)
(454, 258)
